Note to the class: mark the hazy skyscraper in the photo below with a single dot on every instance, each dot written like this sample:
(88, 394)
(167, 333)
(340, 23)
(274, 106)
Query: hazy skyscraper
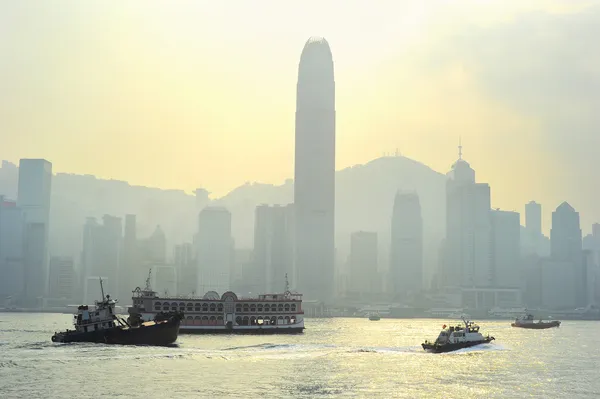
(11, 248)
(215, 250)
(129, 270)
(566, 247)
(273, 248)
(35, 177)
(314, 183)
(406, 257)
(468, 228)
(62, 279)
(101, 255)
(533, 218)
(506, 265)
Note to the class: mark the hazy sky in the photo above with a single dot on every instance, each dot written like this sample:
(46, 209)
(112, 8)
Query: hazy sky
(180, 94)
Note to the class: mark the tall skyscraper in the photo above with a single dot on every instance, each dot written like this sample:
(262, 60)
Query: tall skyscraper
(506, 265)
(187, 271)
(314, 183)
(130, 273)
(215, 250)
(566, 247)
(468, 228)
(62, 279)
(11, 249)
(406, 255)
(101, 256)
(35, 179)
(533, 218)
(273, 248)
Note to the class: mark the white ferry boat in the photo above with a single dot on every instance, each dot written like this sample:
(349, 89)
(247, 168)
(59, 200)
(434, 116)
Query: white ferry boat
(214, 313)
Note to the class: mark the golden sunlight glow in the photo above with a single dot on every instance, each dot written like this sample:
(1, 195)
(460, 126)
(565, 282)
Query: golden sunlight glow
(189, 93)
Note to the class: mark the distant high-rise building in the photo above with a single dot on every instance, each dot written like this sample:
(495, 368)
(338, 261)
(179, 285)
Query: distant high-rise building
(34, 258)
(506, 265)
(215, 250)
(130, 273)
(533, 218)
(154, 248)
(273, 248)
(566, 247)
(35, 180)
(468, 229)
(243, 275)
(11, 249)
(165, 280)
(406, 255)
(314, 183)
(62, 278)
(101, 255)
(364, 276)
(187, 271)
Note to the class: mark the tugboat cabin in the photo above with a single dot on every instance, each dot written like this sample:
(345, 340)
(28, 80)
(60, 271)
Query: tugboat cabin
(100, 318)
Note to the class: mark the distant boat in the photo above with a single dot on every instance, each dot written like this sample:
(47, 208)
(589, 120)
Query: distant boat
(457, 337)
(374, 317)
(527, 322)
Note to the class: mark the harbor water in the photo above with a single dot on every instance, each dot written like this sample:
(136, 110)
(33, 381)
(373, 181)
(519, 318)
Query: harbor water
(346, 358)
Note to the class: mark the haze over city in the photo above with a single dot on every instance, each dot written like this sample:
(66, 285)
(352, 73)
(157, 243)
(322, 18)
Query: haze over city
(289, 199)
(201, 94)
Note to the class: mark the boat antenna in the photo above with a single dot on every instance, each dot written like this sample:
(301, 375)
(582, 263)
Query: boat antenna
(287, 283)
(148, 280)
(101, 288)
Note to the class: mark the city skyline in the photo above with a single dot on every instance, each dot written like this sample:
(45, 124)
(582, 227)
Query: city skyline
(191, 140)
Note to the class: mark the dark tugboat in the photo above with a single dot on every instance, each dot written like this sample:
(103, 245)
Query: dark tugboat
(527, 322)
(454, 338)
(101, 325)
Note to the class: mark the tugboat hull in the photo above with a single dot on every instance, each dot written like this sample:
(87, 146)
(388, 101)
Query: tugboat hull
(537, 326)
(435, 348)
(161, 333)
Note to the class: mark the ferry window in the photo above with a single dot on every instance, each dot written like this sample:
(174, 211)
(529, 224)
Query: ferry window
(293, 307)
(220, 307)
(213, 307)
(238, 308)
(287, 307)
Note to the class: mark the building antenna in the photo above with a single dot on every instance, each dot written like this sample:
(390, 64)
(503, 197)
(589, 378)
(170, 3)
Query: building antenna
(459, 147)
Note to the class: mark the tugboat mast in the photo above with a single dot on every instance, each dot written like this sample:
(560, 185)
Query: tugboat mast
(101, 288)
(148, 288)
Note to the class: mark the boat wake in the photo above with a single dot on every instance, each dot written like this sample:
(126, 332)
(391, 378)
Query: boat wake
(476, 349)
(391, 350)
